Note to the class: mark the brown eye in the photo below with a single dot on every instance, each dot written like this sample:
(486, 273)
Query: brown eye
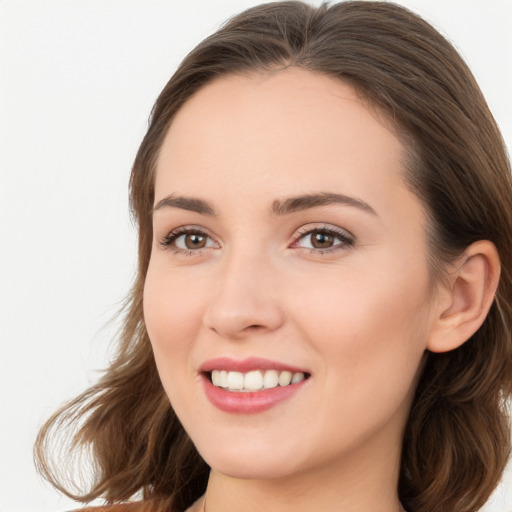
(188, 241)
(322, 240)
(194, 241)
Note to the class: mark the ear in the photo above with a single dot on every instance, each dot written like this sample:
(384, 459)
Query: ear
(465, 298)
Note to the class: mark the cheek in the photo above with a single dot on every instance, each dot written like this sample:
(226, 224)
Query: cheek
(173, 311)
(370, 338)
(371, 324)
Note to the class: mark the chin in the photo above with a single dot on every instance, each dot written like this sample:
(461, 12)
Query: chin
(250, 462)
(257, 470)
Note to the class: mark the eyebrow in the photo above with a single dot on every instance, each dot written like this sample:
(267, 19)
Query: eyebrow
(280, 207)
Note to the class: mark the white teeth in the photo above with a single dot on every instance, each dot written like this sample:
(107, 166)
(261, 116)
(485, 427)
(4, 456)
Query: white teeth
(254, 380)
(235, 380)
(216, 377)
(285, 378)
(223, 379)
(220, 378)
(271, 379)
(297, 377)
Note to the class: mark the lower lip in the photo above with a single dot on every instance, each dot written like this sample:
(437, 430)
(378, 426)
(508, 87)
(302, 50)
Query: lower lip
(248, 402)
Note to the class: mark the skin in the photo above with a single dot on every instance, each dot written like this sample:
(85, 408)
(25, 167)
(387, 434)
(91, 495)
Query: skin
(358, 316)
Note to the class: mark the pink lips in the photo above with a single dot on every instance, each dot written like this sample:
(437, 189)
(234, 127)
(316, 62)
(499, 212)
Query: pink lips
(247, 402)
(246, 365)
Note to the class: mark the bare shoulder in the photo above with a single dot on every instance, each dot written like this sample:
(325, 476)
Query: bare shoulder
(138, 506)
(119, 507)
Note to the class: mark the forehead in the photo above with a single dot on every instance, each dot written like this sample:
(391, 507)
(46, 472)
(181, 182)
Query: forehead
(286, 132)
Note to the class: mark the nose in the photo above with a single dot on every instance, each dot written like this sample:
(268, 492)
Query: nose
(245, 299)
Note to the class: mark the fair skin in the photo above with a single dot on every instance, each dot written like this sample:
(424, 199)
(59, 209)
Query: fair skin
(349, 304)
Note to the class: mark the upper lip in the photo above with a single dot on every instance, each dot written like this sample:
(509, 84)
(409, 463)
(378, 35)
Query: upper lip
(247, 365)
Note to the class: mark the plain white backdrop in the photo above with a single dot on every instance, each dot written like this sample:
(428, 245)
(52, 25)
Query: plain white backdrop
(77, 82)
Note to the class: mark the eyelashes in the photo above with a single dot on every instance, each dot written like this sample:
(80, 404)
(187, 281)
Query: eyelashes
(193, 240)
(323, 239)
(320, 240)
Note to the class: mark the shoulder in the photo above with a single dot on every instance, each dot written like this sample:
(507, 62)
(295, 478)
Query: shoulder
(136, 506)
(120, 507)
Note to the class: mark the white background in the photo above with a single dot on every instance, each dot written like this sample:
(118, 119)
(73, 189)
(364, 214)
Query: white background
(77, 82)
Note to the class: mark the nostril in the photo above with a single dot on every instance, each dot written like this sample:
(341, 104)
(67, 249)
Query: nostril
(254, 327)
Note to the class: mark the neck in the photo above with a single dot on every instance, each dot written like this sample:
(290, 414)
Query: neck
(359, 485)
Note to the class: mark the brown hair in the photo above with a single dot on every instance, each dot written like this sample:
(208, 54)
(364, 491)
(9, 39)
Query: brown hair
(456, 441)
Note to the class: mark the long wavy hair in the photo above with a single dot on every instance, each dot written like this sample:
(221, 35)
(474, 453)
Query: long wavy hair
(456, 440)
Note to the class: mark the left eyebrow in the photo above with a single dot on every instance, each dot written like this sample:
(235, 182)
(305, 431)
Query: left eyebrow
(299, 203)
(280, 207)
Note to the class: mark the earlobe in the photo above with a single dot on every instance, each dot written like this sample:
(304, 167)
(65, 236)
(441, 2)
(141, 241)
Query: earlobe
(466, 298)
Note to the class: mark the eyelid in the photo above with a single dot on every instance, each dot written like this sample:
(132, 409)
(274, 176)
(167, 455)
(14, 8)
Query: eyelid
(347, 239)
(167, 241)
(322, 226)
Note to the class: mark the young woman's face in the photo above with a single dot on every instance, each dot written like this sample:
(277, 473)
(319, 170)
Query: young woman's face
(286, 245)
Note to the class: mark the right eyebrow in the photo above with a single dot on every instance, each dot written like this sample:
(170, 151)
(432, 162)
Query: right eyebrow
(279, 207)
(191, 204)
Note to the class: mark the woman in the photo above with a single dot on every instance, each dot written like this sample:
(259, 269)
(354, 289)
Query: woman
(322, 313)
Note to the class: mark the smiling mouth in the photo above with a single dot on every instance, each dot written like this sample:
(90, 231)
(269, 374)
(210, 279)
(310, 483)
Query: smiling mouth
(255, 380)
